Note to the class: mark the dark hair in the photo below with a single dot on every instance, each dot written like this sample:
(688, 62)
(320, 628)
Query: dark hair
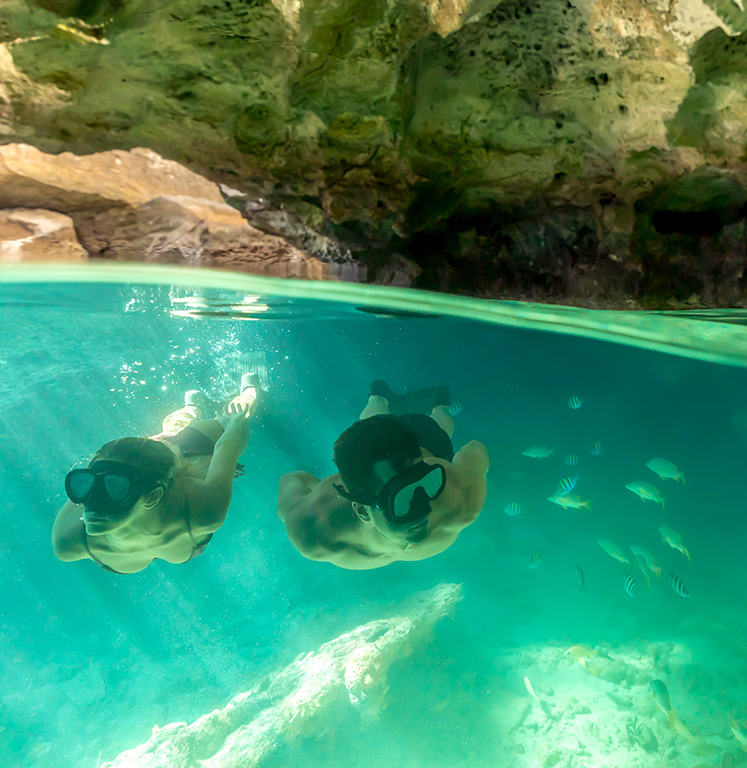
(151, 457)
(368, 441)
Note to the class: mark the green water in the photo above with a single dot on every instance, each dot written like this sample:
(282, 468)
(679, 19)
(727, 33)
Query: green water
(91, 661)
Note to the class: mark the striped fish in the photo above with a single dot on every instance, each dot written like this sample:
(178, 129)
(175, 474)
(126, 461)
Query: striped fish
(513, 509)
(676, 583)
(575, 402)
(596, 449)
(580, 576)
(571, 459)
(534, 561)
(629, 585)
(566, 485)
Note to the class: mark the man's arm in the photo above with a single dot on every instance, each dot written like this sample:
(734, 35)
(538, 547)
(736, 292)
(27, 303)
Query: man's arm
(472, 459)
(68, 533)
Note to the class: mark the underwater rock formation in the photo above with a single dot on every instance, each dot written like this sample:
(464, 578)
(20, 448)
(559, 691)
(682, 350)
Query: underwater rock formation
(291, 702)
(492, 147)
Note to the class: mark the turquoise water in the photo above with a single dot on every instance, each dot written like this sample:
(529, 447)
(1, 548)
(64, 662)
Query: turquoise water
(92, 661)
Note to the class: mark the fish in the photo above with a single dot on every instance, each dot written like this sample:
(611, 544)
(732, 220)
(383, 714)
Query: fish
(666, 470)
(534, 561)
(571, 459)
(575, 402)
(529, 687)
(676, 583)
(580, 576)
(582, 654)
(629, 584)
(671, 537)
(538, 452)
(644, 570)
(455, 408)
(513, 509)
(646, 492)
(569, 502)
(739, 729)
(596, 449)
(544, 706)
(661, 696)
(566, 485)
(647, 558)
(613, 550)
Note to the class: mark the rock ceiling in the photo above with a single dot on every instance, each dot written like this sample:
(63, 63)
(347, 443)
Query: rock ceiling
(588, 151)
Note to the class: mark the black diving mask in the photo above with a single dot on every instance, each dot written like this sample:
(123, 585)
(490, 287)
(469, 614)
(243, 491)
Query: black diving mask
(108, 486)
(407, 497)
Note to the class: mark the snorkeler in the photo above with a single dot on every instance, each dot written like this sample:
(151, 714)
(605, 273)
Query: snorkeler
(401, 493)
(142, 499)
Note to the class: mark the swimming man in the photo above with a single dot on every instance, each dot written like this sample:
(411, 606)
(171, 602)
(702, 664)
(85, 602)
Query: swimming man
(401, 494)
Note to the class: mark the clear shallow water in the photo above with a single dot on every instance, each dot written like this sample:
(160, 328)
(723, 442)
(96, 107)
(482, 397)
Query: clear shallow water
(91, 661)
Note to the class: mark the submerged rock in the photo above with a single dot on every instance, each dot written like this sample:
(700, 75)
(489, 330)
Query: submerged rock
(292, 702)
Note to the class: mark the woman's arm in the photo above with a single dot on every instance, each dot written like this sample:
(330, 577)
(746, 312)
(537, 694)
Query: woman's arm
(68, 533)
(208, 500)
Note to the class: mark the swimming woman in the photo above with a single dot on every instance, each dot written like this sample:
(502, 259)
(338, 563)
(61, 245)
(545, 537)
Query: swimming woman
(142, 499)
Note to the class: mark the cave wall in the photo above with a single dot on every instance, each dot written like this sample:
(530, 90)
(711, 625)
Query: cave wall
(522, 149)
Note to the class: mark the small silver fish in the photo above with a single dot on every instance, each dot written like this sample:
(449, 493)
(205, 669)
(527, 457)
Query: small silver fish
(629, 585)
(571, 459)
(538, 452)
(534, 561)
(596, 449)
(566, 485)
(513, 509)
(575, 402)
(676, 583)
(580, 576)
(455, 408)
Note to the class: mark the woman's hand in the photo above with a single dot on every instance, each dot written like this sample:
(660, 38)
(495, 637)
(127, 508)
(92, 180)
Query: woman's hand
(236, 426)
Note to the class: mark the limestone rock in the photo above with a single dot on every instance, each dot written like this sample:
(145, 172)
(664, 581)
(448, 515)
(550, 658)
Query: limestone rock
(184, 230)
(292, 702)
(38, 235)
(406, 120)
(68, 183)
(136, 206)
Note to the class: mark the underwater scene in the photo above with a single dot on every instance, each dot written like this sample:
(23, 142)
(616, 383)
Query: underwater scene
(557, 579)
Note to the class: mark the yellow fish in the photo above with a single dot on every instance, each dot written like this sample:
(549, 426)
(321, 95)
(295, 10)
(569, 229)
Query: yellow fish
(613, 550)
(739, 729)
(646, 491)
(647, 558)
(574, 502)
(674, 540)
(582, 654)
(661, 696)
(666, 470)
